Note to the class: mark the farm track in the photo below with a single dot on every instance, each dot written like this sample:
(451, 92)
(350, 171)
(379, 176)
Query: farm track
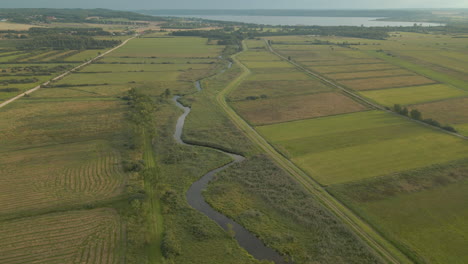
(382, 247)
(9, 101)
(355, 96)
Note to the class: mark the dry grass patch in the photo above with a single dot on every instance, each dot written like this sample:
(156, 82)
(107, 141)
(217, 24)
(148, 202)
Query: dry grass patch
(277, 110)
(386, 82)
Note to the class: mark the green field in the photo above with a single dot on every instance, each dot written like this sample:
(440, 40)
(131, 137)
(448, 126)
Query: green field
(414, 95)
(421, 210)
(277, 88)
(169, 47)
(361, 145)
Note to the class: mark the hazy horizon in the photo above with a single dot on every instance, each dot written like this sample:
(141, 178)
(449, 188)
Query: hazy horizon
(241, 4)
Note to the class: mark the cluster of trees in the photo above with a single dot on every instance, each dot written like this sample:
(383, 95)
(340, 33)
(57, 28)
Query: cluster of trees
(37, 31)
(63, 42)
(417, 115)
(224, 37)
(43, 15)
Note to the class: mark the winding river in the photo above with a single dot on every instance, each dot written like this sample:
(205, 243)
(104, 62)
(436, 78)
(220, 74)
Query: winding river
(194, 196)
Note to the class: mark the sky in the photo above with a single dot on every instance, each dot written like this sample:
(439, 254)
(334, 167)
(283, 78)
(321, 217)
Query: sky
(235, 4)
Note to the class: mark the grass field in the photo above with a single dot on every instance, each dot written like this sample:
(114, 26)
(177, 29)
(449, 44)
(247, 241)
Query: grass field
(355, 146)
(368, 74)
(414, 95)
(277, 88)
(347, 68)
(386, 82)
(283, 109)
(169, 47)
(93, 236)
(266, 200)
(421, 210)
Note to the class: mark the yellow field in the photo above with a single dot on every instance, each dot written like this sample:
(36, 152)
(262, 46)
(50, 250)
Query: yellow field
(14, 26)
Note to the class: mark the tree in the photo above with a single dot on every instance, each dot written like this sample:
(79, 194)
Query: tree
(415, 114)
(397, 108)
(404, 111)
(167, 93)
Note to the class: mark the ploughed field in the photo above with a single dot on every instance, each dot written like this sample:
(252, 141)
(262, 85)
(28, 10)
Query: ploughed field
(405, 178)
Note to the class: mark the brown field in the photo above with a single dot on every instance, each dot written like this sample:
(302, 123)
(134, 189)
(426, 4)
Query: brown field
(72, 237)
(386, 82)
(349, 68)
(277, 110)
(277, 88)
(368, 74)
(452, 111)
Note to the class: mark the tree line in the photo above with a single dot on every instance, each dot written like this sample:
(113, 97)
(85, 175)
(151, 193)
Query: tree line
(63, 42)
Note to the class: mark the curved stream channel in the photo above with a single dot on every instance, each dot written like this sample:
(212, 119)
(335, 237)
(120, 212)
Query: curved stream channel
(194, 196)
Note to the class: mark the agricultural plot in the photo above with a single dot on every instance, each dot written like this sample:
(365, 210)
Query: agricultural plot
(118, 78)
(452, 111)
(386, 82)
(348, 68)
(368, 74)
(169, 47)
(72, 237)
(283, 109)
(277, 88)
(356, 146)
(414, 95)
(100, 68)
(84, 55)
(421, 210)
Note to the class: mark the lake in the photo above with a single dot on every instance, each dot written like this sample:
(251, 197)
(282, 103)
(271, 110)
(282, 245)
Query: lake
(308, 21)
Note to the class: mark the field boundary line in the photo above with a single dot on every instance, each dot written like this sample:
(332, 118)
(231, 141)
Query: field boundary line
(363, 230)
(11, 100)
(358, 97)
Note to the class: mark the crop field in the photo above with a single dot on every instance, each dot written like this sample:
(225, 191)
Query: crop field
(119, 78)
(348, 68)
(14, 26)
(283, 109)
(368, 74)
(169, 47)
(267, 64)
(416, 94)
(361, 145)
(84, 55)
(422, 210)
(453, 111)
(142, 67)
(277, 88)
(82, 172)
(386, 82)
(72, 237)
